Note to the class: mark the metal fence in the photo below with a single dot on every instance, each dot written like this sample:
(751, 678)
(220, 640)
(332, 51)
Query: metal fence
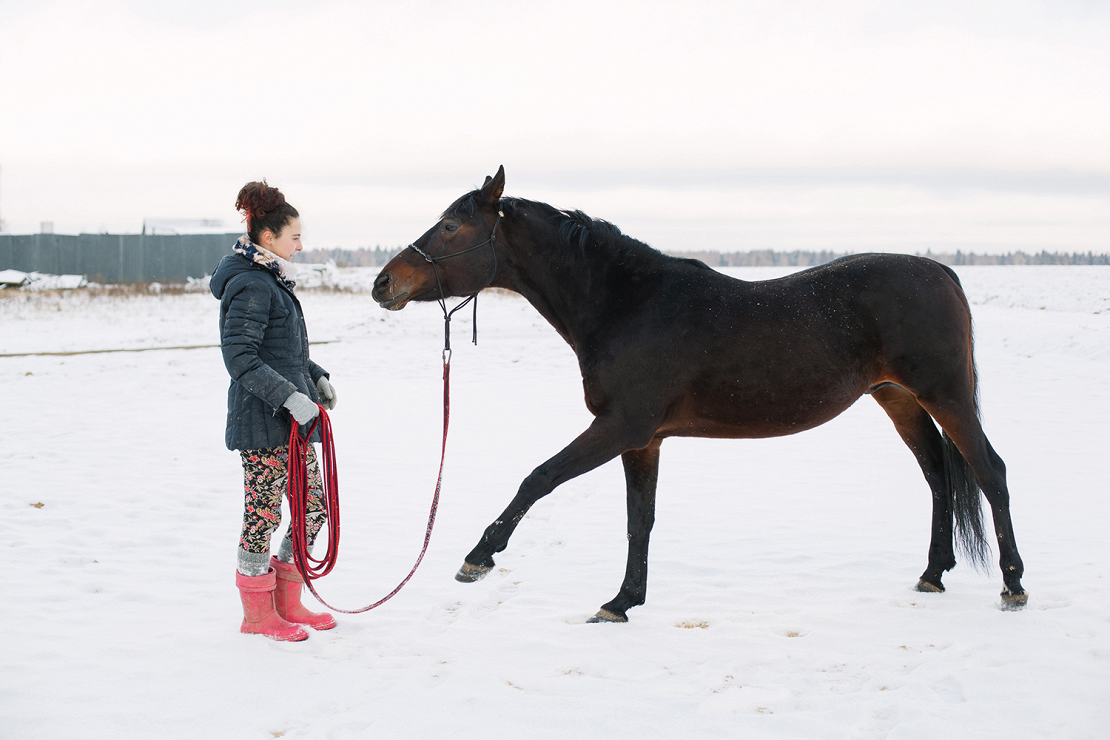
(117, 258)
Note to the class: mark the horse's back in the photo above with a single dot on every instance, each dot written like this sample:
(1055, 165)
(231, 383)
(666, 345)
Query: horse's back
(879, 274)
(884, 295)
(772, 357)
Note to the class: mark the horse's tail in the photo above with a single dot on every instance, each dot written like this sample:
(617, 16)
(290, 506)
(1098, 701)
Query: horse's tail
(964, 498)
(964, 495)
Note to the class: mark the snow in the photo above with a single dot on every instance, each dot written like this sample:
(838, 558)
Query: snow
(780, 600)
(40, 281)
(13, 278)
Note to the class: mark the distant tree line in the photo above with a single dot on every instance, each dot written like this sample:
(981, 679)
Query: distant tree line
(1021, 258)
(378, 256)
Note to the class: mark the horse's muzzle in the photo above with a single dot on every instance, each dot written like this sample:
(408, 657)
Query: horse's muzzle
(386, 292)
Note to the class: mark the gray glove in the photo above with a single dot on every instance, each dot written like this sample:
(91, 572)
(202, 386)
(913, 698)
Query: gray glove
(301, 407)
(327, 393)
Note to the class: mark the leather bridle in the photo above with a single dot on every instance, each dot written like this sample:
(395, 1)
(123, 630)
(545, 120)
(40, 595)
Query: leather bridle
(473, 296)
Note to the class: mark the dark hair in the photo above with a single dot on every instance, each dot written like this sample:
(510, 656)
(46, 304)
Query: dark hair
(265, 209)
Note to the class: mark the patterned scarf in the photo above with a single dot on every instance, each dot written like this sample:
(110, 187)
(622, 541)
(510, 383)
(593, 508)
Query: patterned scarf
(269, 260)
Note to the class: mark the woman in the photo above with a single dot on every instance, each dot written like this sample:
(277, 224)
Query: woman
(265, 349)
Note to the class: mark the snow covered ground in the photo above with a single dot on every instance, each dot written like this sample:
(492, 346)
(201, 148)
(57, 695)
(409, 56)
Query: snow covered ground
(780, 599)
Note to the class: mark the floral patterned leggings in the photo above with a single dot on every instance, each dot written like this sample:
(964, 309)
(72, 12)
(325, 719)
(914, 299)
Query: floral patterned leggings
(264, 485)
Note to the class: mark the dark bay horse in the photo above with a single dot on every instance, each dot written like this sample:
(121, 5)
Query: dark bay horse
(669, 347)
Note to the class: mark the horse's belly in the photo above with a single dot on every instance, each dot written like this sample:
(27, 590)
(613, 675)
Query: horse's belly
(740, 418)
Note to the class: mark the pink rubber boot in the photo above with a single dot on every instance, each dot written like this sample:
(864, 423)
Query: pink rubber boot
(287, 598)
(259, 616)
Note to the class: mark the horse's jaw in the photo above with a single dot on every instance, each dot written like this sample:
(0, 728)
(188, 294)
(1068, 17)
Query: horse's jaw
(394, 303)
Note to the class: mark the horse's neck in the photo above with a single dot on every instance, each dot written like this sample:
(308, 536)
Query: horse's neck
(552, 278)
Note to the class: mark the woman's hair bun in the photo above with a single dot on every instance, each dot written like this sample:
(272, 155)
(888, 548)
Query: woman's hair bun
(264, 208)
(256, 199)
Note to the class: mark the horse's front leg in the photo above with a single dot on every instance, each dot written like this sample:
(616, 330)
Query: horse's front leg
(641, 473)
(604, 440)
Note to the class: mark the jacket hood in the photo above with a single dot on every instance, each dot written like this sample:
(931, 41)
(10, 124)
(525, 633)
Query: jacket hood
(230, 266)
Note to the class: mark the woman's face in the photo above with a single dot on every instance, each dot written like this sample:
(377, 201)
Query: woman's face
(287, 243)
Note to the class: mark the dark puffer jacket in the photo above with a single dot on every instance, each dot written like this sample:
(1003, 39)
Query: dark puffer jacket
(265, 348)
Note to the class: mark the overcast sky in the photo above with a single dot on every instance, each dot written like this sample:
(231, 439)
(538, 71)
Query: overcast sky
(692, 125)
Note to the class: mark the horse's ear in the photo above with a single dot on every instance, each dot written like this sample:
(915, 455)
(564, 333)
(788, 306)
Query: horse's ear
(494, 186)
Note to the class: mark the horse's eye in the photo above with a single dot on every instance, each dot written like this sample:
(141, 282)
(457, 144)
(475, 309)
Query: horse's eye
(449, 227)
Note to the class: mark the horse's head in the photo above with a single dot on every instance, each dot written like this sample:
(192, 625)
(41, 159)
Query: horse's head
(455, 257)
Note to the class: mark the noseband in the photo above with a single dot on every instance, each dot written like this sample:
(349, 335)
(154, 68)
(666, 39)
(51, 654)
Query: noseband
(472, 297)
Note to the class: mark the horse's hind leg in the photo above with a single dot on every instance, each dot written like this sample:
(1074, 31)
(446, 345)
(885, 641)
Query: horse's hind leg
(961, 423)
(917, 430)
(641, 474)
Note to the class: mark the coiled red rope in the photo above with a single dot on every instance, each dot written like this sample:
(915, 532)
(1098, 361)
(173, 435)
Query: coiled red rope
(310, 567)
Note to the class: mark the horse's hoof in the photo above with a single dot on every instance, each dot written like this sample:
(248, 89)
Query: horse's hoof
(469, 573)
(928, 588)
(604, 615)
(1014, 602)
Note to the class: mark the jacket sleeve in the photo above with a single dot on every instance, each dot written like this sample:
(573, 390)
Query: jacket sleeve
(244, 327)
(317, 372)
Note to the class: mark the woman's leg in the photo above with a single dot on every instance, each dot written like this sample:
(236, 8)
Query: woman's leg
(263, 486)
(264, 473)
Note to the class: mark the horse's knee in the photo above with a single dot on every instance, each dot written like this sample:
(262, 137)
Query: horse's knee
(538, 480)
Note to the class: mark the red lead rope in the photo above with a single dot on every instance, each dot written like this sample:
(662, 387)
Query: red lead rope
(298, 499)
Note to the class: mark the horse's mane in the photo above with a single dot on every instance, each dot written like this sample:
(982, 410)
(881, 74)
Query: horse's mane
(576, 229)
(588, 236)
(584, 235)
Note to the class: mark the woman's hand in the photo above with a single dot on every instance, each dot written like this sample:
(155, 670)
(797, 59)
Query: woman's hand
(303, 408)
(327, 392)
